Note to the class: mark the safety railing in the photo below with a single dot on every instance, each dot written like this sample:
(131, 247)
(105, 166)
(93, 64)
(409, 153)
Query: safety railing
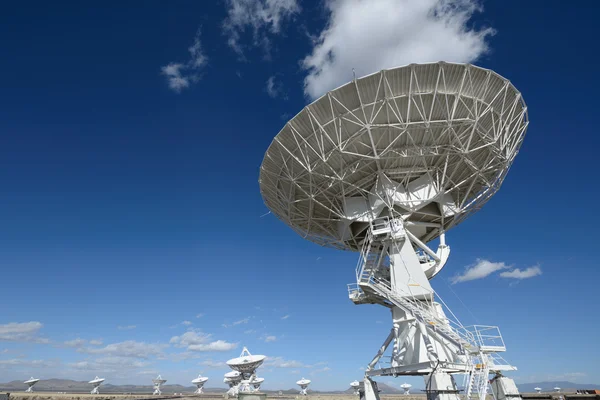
(488, 338)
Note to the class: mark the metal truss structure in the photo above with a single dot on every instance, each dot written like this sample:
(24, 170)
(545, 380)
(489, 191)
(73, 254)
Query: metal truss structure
(444, 133)
(384, 165)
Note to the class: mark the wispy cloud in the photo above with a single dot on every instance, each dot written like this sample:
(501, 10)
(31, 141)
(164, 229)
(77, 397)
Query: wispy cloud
(263, 17)
(479, 270)
(75, 342)
(199, 315)
(22, 332)
(274, 88)
(21, 362)
(319, 371)
(126, 327)
(218, 345)
(285, 316)
(128, 348)
(210, 364)
(195, 340)
(280, 362)
(368, 36)
(238, 322)
(186, 323)
(181, 75)
(270, 338)
(484, 268)
(112, 364)
(96, 342)
(522, 274)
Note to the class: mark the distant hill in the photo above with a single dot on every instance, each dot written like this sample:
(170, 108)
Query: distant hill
(550, 385)
(66, 385)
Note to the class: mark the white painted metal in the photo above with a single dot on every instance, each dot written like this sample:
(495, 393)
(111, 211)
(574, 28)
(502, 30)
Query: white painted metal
(158, 382)
(233, 378)
(256, 384)
(30, 383)
(504, 388)
(538, 389)
(557, 389)
(384, 165)
(355, 385)
(244, 373)
(96, 382)
(199, 382)
(433, 142)
(406, 387)
(303, 383)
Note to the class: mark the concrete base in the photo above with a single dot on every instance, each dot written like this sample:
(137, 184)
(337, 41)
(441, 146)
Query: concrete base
(504, 388)
(252, 396)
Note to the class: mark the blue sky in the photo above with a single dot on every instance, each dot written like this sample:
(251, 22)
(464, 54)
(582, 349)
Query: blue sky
(133, 237)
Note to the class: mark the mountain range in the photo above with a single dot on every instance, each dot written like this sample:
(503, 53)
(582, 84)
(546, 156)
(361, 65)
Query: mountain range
(66, 385)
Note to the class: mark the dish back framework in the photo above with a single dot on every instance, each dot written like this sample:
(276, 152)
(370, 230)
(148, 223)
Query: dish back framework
(384, 165)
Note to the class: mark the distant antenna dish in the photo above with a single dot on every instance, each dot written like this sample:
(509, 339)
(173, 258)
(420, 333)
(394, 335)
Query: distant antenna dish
(384, 165)
(303, 383)
(256, 384)
(30, 383)
(244, 372)
(199, 382)
(406, 387)
(158, 382)
(355, 385)
(538, 389)
(96, 382)
(557, 389)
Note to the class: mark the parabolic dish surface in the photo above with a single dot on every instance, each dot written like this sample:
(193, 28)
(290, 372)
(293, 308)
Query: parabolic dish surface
(429, 142)
(246, 363)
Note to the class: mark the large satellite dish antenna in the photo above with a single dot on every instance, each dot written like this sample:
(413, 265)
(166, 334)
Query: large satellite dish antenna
(385, 164)
(355, 385)
(199, 382)
(303, 383)
(96, 382)
(30, 383)
(245, 367)
(538, 389)
(406, 387)
(557, 389)
(158, 382)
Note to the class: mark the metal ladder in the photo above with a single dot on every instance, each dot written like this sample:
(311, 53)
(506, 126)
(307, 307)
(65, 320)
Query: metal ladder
(478, 380)
(422, 314)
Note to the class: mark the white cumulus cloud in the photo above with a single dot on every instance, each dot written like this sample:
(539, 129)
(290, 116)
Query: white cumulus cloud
(263, 17)
(22, 332)
(189, 338)
(217, 345)
(481, 269)
(522, 274)
(371, 35)
(182, 75)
